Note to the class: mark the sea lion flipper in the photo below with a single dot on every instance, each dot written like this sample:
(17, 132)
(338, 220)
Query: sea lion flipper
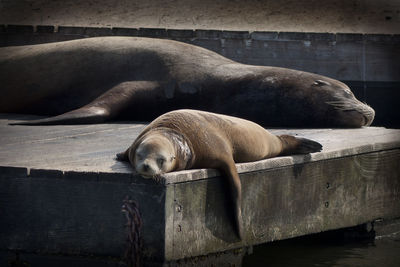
(298, 145)
(228, 167)
(106, 106)
(122, 156)
(84, 115)
(308, 146)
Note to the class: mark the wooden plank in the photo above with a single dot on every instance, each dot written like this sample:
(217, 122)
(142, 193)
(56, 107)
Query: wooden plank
(287, 202)
(92, 148)
(78, 148)
(65, 182)
(337, 143)
(76, 216)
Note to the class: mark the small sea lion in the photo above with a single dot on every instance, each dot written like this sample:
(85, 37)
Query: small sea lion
(187, 139)
(100, 79)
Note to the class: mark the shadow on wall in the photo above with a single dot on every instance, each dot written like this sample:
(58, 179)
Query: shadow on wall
(383, 97)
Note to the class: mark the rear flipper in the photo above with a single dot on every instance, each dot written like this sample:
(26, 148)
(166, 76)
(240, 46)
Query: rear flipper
(84, 115)
(103, 108)
(296, 145)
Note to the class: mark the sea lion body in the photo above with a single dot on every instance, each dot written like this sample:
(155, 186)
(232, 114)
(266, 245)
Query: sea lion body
(186, 139)
(104, 78)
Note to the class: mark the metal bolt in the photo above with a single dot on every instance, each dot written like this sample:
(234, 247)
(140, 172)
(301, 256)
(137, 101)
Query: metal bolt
(179, 208)
(179, 228)
(328, 185)
(326, 204)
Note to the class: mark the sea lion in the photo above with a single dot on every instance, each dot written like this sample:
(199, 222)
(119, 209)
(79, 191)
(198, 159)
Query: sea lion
(186, 139)
(104, 78)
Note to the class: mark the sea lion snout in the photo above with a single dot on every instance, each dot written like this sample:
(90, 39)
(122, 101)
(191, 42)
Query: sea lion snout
(352, 113)
(343, 108)
(145, 167)
(362, 115)
(154, 155)
(368, 113)
(148, 169)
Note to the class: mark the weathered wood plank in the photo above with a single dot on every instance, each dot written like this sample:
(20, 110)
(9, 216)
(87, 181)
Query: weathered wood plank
(92, 148)
(61, 190)
(76, 217)
(286, 202)
(337, 143)
(78, 148)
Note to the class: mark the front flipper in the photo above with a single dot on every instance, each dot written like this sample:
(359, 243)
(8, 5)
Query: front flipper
(122, 156)
(295, 145)
(228, 168)
(103, 108)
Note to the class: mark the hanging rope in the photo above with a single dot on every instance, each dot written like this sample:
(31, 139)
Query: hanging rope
(134, 224)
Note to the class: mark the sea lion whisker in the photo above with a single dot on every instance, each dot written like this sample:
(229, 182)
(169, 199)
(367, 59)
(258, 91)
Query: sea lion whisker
(347, 105)
(350, 105)
(344, 104)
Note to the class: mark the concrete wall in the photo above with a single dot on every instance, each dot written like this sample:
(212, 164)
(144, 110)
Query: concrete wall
(349, 16)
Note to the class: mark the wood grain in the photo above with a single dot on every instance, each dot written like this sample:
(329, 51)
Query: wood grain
(61, 191)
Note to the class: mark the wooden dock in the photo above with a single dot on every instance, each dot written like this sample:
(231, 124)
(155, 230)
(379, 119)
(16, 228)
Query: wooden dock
(61, 192)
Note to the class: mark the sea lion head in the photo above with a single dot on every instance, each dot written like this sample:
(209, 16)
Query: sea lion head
(159, 150)
(342, 108)
(316, 100)
(153, 156)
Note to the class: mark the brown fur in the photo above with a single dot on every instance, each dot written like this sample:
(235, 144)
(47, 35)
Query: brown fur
(218, 141)
(101, 79)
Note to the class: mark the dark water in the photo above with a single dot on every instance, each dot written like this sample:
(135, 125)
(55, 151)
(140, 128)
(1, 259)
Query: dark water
(351, 247)
(333, 249)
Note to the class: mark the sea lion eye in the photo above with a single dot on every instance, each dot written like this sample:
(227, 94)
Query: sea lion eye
(321, 82)
(160, 162)
(348, 92)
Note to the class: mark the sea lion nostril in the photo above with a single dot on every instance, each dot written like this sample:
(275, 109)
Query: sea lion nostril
(145, 167)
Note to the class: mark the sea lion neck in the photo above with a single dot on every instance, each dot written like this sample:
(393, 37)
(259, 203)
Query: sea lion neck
(183, 148)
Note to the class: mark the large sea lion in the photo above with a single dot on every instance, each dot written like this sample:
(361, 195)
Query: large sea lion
(99, 79)
(186, 139)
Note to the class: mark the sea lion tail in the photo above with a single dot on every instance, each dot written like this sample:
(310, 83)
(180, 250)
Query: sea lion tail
(297, 145)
